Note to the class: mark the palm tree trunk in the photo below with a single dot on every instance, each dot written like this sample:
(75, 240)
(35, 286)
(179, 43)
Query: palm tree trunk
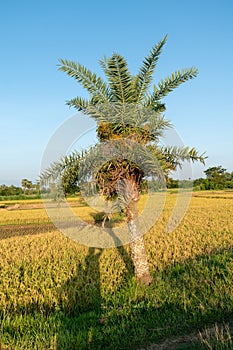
(138, 250)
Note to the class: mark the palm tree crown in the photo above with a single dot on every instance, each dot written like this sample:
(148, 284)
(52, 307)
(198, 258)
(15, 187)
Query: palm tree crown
(125, 107)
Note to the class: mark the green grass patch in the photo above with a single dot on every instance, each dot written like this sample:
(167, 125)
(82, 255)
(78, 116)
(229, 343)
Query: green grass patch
(182, 297)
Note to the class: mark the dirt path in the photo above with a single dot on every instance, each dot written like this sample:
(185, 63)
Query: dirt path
(26, 206)
(174, 343)
(7, 231)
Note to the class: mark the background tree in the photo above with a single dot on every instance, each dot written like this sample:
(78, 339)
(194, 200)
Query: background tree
(27, 186)
(24, 183)
(125, 109)
(30, 186)
(215, 172)
(217, 178)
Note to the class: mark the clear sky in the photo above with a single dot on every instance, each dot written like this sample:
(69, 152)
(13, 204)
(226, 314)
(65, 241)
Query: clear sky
(35, 34)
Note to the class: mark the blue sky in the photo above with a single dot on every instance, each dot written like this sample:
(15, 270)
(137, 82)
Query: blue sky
(34, 35)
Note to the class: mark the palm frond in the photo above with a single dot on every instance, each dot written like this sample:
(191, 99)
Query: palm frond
(145, 75)
(79, 103)
(56, 169)
(157, 124)
(104, 63)
(168, 84)
(119, 77)
(154, 105)
(95, 85)
(175, 155)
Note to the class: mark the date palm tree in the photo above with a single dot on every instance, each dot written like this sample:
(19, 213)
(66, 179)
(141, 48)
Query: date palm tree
(128, 112)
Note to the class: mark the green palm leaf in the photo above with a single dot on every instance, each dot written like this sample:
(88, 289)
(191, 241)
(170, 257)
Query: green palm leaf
(170, 83)
(176, 155)
(119, 77)
(79, 103)
(145, 75)
(95, 85)
(57, 169)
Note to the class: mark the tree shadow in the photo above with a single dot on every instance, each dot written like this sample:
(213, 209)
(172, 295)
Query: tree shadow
(92, 327)
(80, 297)
(81, 293)
(184, 297)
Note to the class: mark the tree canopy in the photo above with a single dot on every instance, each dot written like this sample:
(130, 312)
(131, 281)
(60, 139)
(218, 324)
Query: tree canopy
(217, 178)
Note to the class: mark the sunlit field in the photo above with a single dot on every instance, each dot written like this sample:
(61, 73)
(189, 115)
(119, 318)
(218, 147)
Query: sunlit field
(57, 294)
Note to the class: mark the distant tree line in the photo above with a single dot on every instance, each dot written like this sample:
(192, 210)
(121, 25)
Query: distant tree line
(27, 188)
(171, 183)
(10, 190)
(217, 178)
